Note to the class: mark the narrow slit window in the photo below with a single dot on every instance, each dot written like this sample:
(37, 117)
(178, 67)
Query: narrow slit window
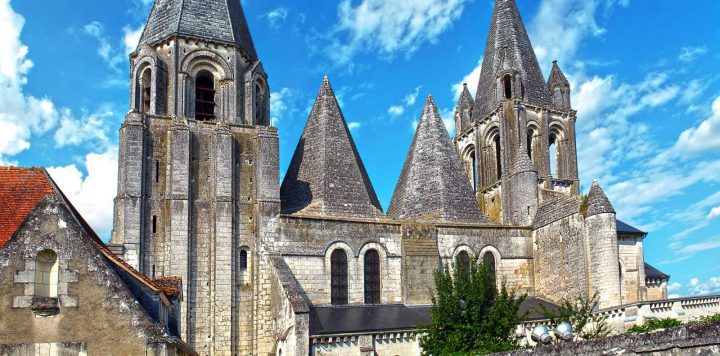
(154, 224)
(339, 277)
(553, 156)
(473, 161)
(205, 97)
(498, 157)
(507, 81)
(372, 277)
(146, 90)
(243, 260)
(157, 171)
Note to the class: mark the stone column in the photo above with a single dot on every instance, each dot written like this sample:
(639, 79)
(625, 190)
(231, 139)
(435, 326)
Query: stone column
(178, 195)
(128, 229)
(223, 246)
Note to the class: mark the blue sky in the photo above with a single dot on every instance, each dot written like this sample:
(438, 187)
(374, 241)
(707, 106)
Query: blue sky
(644, 76)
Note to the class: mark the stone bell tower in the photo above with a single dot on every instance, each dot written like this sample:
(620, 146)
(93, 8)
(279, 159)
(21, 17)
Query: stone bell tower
(198, 168)
(519, 138)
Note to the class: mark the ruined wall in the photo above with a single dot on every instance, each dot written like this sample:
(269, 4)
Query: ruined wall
(307, 243)
(95, 306)
(559, 250)
(420, 260)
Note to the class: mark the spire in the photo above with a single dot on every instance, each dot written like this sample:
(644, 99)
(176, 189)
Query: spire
(508, 45)
(597, 201)
(433, 184)
(522, 163)
(211, 20)
(463, 110)
(326, 176)
(557, 78)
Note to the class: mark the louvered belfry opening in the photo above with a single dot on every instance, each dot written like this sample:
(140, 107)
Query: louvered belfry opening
(372, 277)
(339, 277)
(205, 97)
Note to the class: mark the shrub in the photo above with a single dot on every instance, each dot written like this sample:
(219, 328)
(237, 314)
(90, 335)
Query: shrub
(655, 324)
(470, 315)
(579, 313)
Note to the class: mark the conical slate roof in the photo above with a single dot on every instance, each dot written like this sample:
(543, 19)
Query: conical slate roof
(557, 77)
(433, 184)
(212, 20)
(509, 39)
(597, 201)
(326, 176)
(522, 163)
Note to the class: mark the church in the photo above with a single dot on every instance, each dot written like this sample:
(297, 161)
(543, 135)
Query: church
(313, 265)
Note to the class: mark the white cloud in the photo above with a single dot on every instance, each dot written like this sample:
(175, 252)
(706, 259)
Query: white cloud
(277, 16)
(91, 194)
(131, 38)
(396, 110)
(471, 79)
(90, 128)
(411, 98)
(105, 50)
(354, 126)
(711, 286)
(714, 213)
(21, 116)
(690, 54)
(703, 138)
(561, 25)
(283, 105)
(390, 27)
(673, 287)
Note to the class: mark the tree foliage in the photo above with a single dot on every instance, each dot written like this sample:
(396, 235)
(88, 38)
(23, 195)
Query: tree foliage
(469, 314)
(580, 314)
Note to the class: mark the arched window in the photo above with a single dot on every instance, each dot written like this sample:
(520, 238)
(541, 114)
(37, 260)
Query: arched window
(553, 155)
(489, 261)
(498, 157)
(259, 103)
(339, 277)
(372, 277)
(530, 138)
(507, 81)
(146, 90)
(463, 260)
(243, 260)
(205, 97)
(46, 274)
(473, 161)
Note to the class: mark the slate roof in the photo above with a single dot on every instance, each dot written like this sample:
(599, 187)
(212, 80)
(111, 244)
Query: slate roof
(334, 320)
(326, 176)
(508, 38)
(623, 228)
(433, 184)
(557, 77)
(212, 20)
(522, 163)
(21, 189)
(652, 272)
(597, 201)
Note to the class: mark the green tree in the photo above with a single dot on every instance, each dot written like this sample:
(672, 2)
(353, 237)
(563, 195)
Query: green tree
(469, 314)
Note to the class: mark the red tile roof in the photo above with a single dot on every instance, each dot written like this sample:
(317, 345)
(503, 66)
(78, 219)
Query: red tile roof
(171, 286)
(20, 190)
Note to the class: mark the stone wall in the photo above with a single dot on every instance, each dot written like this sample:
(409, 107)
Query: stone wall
(696, 339)
(95, 308)
(560, 265)
(632, 263)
